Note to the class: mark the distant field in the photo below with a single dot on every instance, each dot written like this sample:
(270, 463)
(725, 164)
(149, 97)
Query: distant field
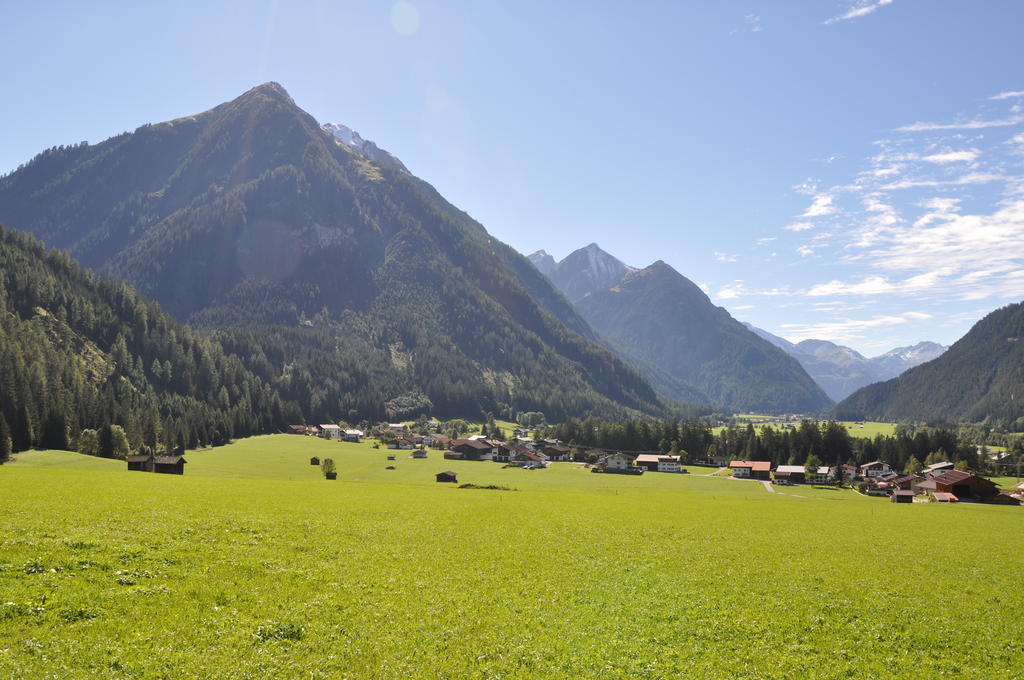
(252, 565)
(867, 429)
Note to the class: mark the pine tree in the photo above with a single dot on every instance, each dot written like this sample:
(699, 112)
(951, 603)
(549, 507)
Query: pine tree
(5, 440)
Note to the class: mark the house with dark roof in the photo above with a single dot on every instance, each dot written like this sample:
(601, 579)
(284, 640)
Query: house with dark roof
(296, 429)
(472, 449)
(140, 462)
(448, 476)
(751, 469)
(169, 465)
(656, 462)
(557, 452)
(902, 496)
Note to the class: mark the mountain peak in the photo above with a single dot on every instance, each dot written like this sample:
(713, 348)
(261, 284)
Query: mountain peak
(345, 135)
(269, 90)
(587, 270)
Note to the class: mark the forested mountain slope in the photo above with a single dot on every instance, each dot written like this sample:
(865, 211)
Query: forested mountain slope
(980, 377)
(661, 319)
(350, 285)
(78, 351)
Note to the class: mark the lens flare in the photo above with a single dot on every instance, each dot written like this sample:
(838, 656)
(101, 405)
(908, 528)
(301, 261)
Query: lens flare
(405, 18)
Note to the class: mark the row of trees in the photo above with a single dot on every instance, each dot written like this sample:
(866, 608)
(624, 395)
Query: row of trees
(824, 443)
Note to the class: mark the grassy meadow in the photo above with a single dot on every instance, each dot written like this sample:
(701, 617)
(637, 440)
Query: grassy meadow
(252, 565)
(866, 430)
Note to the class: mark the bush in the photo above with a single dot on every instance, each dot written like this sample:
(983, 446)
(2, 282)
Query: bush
(327, 466)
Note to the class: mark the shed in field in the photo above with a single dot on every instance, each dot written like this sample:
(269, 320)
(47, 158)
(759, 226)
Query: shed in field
(902, 496)
(140, 463)
(169, 465)
(314, 461)
(448, 476)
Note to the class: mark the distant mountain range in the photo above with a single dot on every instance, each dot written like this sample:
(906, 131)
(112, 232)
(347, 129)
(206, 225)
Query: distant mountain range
(979, 378)
(841, 371)
(668, 328)
(350, 285)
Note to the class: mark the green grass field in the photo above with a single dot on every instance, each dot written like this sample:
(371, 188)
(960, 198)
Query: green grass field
(253, 566)
(866, 430)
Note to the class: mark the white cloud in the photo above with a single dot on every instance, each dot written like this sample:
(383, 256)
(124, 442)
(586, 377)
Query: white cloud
(765, 241)
(799, 226)
(725, 257)
(820, 206)
(805, 250)
(921, 126)
(971, 178)
(1008, 95)
(862, 8)
(953, 157)
(846, 330)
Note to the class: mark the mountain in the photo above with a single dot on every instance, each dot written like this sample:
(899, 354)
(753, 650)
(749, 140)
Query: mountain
(583, 271)
(353, 140)
(896, 361)
(544, 263)
(979, 378)
(348, 283)
(841, 371)
(77, 352)
(668, 327)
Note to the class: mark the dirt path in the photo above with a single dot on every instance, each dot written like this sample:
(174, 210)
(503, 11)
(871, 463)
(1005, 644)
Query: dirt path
(768, 486)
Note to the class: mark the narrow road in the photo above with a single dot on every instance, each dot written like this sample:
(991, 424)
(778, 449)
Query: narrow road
(768, 486)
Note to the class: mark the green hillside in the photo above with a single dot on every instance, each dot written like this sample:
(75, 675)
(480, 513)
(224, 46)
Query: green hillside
(980, 378)
(77, 352)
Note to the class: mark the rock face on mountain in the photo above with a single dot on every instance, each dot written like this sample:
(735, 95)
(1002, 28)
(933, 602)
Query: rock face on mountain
(351, 284)
(583, 271)
(979, 378)
(841, 371)
(660, 319)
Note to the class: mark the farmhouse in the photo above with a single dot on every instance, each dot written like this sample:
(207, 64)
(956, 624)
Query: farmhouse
(961, 485)
(419, 453)
(330, 431)
(140, 463)
(472, 449)
(822, 475)
(397, 428)
(296, 429)
(653, 462)
(751, 469)
(169, 465)
(794, 473)
(441, 442)
(524, 457)
(875, 468)
(558, 452)
(448, 476)
(352, 435)
(617, 462)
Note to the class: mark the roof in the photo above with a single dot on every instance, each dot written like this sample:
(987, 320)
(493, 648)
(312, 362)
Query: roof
(790, 469)
(903, 492)
(169, 460)
(472, 443)
(297, 428)
(754, 465)
(656, 458)
(355, 432)
(558, 447)
(943, 496)
(951, 477)
(1020, 486)
(446, 472)
(397, 425)
(140, 458)
(939, 466)
(871, 464)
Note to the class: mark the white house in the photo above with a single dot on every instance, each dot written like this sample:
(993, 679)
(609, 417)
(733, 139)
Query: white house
(330, 432)
(397, 428)
(875, 468)
(616, 461)
(352, 435)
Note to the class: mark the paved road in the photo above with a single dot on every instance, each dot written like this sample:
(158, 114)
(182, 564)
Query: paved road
(768, 486)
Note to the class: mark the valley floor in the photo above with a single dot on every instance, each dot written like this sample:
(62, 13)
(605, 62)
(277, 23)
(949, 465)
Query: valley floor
(252, 565)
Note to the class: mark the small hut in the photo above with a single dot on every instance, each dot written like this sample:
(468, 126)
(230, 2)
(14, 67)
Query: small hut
(448, 476)
(169, 465)
(142, 462)
(902, 496)
(314, 461)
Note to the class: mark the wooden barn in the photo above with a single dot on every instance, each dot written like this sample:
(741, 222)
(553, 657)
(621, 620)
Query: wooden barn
(961, 484)
(169, 465)
(140, 463)
(448, 476)
(314, 461)
(793, 473)
(902, 496)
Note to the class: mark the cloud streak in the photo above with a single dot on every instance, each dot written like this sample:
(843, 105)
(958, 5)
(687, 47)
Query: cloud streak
(861, 9)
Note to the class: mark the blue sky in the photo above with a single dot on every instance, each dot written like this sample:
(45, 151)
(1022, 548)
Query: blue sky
(851, 170)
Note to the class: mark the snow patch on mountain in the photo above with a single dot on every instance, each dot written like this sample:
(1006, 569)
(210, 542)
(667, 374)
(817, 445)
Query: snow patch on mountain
(352, 139)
